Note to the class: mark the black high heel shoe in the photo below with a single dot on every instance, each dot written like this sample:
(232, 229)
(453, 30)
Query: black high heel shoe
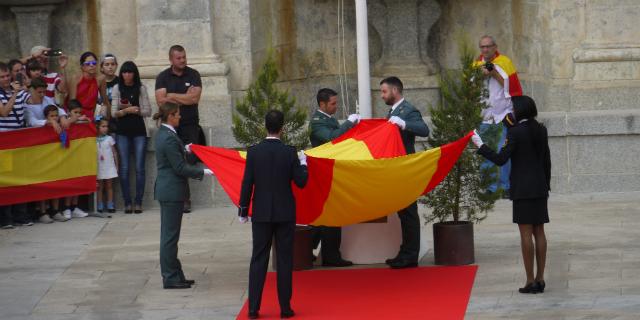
(530, 288)
(541, 285)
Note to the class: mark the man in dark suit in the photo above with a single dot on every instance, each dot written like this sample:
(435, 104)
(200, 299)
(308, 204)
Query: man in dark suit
(171, 190)
(409, 121)
(324, 128)
(270, 168)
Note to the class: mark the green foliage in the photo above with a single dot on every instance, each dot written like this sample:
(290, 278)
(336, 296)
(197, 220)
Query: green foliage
(462, 193)
(262, 96)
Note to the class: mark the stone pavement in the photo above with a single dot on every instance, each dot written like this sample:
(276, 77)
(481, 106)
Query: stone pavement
(108, 268)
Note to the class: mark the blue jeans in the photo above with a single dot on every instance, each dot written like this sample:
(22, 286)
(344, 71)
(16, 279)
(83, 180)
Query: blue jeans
(138, 146)
(505, 170)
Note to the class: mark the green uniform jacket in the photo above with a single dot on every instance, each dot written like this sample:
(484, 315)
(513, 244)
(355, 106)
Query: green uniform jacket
(325, 128)
(415, 126)
(173, 170)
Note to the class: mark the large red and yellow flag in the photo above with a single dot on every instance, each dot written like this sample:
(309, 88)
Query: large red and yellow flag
(361, 176)
(36, 165)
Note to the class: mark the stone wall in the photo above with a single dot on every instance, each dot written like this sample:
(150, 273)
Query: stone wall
(579, 59)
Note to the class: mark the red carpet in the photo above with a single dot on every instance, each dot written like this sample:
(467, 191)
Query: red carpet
(382, 293)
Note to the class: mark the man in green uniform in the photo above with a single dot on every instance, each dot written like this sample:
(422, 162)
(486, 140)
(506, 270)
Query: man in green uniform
(410, 123)
(324, 128)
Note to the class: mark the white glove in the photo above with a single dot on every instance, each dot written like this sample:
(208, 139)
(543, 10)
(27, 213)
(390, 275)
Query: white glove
(243, 219)
(187, 148)
(398, 122)
(303, 158)
(354, 118)
(476, 139)
(208, 172)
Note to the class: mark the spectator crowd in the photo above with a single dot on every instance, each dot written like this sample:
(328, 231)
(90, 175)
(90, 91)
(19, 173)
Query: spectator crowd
(116, 101)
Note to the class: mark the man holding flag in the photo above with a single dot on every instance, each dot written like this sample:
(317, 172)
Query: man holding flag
(501, 80)
(324, 128)
(409, 120)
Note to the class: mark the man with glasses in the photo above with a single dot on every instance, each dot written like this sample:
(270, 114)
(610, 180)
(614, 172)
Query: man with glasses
(501, 80)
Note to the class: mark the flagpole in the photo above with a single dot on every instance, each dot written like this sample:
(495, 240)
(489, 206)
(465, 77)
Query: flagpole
(362, 42)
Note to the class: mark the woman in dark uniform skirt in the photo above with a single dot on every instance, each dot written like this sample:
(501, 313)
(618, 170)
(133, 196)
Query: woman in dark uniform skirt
(528, 148)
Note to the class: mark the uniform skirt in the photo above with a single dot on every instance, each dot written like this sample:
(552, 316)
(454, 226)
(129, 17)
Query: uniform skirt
(530, 211)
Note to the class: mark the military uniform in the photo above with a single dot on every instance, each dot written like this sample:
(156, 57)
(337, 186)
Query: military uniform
(409, 219)
(171, 190)
(325, 128)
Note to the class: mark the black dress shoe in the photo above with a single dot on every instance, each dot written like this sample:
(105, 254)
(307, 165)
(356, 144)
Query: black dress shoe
(187, 207)
(254, 315)
(541, 285)
(287, 314)
(137, 211)
(390, 261)
(179, 285)
(403, 263)
(128, 211)
(338, 263)
(530, 288)
(191, 282)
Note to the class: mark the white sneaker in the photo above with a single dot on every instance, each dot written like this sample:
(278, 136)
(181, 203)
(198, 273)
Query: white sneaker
(46, 219)
(67, 213)
(78, 213)
(59, 217)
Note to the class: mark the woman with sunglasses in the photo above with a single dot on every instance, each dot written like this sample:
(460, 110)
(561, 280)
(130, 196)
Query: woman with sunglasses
(131, 106)
(85, 87)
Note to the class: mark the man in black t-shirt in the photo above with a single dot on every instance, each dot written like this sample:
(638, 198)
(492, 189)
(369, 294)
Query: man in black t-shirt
(181, 85)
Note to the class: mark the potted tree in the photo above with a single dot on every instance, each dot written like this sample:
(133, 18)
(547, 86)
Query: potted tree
(460, 200)
(248, 129)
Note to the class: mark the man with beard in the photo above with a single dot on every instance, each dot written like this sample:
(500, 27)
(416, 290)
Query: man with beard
(409, 121)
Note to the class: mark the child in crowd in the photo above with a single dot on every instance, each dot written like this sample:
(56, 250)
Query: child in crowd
(107, 164)
(43, 213)
(75, 111)
(71, 203)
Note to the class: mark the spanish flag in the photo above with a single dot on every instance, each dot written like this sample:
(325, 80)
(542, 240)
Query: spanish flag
(512, 88)
(361, 176)
(36, 164)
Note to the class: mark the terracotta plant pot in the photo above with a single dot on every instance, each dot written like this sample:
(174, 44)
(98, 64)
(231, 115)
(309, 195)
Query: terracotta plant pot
(453, 243)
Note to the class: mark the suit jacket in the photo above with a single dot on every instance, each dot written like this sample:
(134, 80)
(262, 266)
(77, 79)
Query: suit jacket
(530, 169)
(415, 126)
(173, 170)
(271, 166)
(325, 128)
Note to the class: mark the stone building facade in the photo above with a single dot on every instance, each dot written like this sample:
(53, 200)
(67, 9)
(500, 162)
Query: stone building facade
(579, 59)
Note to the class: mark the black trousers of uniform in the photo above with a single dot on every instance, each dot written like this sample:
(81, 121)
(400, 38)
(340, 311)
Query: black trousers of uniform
(263, 233)
(410, 224)
(331, 238)
(170, 224)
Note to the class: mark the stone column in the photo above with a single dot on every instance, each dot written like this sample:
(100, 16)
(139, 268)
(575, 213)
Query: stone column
(161, 24)
(401, 47)
(33, 26)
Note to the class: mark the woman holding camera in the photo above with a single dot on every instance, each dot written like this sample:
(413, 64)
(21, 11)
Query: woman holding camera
(130, 107)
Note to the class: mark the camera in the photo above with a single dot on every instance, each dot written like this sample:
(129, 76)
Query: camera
(20, 78)
(489, 66)
(52, 53)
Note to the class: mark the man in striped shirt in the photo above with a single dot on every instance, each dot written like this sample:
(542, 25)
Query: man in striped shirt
(55, 81)
(12, 98)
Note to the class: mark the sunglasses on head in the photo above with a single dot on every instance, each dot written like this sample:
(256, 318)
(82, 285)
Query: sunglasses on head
(89, 63)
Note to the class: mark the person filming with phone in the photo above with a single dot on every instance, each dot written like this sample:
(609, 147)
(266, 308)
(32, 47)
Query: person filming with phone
(131, 107)
(55, 81)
